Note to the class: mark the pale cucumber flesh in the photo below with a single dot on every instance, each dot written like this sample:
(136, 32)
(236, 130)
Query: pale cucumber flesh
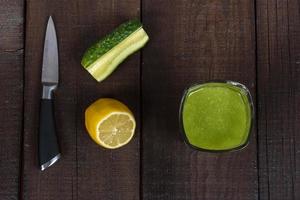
(108, 62)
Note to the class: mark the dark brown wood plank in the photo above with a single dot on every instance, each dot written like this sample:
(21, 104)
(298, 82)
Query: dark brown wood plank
(278, 39)
(59, 181)
(85, 171)
(192, 42)
(102, 173)
(11, 98)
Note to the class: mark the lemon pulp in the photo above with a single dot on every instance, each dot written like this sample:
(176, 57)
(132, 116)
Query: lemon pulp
(110, 123)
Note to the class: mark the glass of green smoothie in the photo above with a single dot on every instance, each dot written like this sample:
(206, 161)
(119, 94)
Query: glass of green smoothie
(216, 116)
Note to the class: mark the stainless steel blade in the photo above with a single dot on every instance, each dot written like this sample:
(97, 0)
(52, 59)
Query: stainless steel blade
(50, 57)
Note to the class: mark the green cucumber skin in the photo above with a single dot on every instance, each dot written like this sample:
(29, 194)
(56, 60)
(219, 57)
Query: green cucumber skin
(108, 42)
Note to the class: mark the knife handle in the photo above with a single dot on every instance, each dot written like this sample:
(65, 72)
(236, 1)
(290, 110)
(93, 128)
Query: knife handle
(48, 144)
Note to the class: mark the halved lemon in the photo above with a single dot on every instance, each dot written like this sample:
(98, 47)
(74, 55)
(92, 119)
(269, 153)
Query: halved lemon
(110, 123)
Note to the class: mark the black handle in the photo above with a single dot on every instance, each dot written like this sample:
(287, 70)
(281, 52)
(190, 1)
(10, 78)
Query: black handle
(48, 144)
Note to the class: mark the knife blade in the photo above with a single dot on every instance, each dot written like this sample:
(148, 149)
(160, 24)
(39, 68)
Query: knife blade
(49, 152)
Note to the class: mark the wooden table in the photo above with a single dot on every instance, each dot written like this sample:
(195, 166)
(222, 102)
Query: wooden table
(256, 43)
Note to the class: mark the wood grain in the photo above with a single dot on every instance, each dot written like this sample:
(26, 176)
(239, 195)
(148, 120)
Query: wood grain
(278, 39)
(192, 42)
(59, 181)
(102, 173)
(85, 171)
(11, 98)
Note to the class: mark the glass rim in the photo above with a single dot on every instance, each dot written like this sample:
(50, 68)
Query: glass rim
(250, 101)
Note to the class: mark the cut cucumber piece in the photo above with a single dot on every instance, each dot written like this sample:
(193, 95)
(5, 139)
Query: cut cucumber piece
(101, 59)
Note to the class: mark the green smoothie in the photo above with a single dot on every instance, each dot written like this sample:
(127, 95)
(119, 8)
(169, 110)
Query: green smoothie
(216, 116)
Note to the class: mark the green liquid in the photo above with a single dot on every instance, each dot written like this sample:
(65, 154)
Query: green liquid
(216, 116)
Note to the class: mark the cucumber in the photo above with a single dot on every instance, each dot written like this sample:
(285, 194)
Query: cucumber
(102, 58)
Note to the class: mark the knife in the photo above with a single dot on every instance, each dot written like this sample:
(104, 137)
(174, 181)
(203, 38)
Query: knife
(49, 151)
